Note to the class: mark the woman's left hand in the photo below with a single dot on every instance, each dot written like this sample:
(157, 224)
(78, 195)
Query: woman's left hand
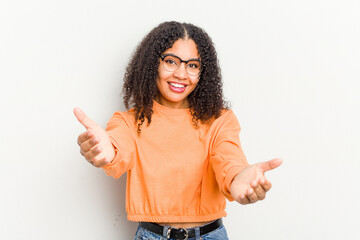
(250, 185)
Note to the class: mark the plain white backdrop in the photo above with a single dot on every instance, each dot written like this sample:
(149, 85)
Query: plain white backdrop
(290, 70)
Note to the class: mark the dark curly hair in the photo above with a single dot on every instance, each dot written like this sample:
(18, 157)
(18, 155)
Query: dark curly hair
(205, 101)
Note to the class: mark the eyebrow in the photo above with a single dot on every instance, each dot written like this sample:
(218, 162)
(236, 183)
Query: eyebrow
(191, 59)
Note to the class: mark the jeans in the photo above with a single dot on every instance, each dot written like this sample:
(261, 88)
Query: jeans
(217, 234)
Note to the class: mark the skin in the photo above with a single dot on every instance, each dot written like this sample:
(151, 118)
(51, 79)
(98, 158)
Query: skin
(95, 144)
(248, 186)
(185, 49)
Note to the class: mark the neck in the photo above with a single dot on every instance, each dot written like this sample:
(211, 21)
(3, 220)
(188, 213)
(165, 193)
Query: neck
(176, 105)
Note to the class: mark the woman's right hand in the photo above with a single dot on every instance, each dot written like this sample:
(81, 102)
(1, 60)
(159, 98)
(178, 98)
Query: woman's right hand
(95, 144)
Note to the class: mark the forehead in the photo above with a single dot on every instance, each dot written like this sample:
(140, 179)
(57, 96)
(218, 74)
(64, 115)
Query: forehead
(184, 48)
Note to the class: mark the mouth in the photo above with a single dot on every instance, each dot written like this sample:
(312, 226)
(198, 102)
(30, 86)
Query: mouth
(177, 87)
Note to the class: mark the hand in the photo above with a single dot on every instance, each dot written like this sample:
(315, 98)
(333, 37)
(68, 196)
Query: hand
(250, 185)
(95, 144)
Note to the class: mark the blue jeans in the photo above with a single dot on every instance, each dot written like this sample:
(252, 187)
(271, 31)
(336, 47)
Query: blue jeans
(217, 234)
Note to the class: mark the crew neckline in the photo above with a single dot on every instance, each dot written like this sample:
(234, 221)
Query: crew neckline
(168, 110)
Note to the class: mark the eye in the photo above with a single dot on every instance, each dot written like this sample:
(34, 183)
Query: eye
(170, 62)
(194, 65)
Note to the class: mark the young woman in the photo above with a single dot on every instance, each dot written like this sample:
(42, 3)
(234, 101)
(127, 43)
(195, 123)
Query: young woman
(179, 142)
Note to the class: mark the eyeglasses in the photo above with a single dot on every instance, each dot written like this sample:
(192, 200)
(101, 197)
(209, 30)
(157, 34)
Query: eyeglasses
(171, 63)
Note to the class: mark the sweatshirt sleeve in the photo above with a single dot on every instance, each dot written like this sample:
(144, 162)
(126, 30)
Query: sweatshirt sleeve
(123, 141)
(227, 157)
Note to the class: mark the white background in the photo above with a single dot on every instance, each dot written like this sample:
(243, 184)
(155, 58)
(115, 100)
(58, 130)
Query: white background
(290, 70)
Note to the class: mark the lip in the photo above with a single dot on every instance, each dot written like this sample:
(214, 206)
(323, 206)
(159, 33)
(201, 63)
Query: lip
(175, 89)
(180, 83)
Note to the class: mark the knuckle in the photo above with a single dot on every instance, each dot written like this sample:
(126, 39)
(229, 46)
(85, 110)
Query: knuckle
(82, 148)
(94, 151)
(97, 150)
(91, 142)
(88, 147)
(253, 199)
(99, 163)
(91, 161)
(79, 141)
(88, 156)
(96, 164)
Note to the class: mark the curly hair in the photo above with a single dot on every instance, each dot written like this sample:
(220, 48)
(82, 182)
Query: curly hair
(205, 101)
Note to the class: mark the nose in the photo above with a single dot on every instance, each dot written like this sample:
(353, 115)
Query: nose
(181, 72)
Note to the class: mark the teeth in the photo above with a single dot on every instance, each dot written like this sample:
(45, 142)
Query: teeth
(177, 85)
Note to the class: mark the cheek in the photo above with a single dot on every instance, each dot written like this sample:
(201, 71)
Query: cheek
(158, 85)
(194, 81)
(163, 74)
(161, 84)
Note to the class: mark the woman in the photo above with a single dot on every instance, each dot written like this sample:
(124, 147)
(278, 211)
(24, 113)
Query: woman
(179, 142)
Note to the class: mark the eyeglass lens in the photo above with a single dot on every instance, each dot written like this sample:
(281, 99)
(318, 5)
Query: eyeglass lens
(172, 63)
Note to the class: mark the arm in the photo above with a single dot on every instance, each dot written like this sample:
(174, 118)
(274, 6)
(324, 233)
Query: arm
(227, 157)
(236, 178)
(111, 149)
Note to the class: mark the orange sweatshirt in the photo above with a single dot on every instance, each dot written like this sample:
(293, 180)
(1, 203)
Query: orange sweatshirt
(175, 172)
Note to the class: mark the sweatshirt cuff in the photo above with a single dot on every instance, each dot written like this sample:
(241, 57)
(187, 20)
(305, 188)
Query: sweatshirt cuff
(122, 161)
(231, 174)
(116, 157)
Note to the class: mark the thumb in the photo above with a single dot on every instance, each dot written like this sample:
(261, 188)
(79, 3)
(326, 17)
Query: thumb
(270, 165)
(83, 119)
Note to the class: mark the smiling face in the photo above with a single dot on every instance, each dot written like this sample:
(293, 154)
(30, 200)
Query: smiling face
(174, 87)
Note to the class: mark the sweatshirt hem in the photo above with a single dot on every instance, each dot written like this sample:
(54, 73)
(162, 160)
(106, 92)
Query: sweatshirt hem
(177, 219)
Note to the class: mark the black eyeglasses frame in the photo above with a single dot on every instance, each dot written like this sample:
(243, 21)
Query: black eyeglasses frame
(202, 65)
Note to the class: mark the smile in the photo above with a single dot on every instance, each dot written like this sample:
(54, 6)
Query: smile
(177, 87)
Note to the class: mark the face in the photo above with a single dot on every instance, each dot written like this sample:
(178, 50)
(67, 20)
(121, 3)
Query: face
(174, 87)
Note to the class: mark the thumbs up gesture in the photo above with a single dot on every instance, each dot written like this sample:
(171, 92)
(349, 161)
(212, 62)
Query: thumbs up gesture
(95, 144)
(250, 185)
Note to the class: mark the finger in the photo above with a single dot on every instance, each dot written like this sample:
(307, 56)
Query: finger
(92, 153)
(83, 119)
(100, 163)
(265, 184)
(88, 144)
(251, 195)
(243, 199)
(259, 191)
(84, 136)
(272, 164)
